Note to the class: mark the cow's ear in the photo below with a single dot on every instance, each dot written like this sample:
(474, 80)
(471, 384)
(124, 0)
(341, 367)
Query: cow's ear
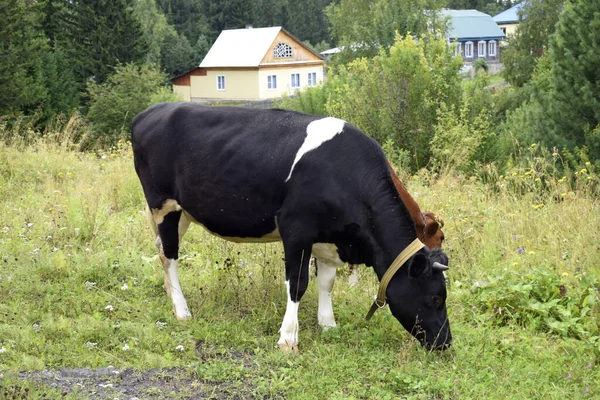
(418, 266)
(432, 227)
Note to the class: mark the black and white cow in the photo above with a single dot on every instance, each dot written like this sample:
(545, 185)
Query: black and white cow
(319, 185)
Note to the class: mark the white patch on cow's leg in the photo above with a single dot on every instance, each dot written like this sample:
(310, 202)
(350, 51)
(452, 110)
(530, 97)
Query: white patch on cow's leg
(288, 339)
(325, 278)
(180, 307)
(353, 278)
(317, 133)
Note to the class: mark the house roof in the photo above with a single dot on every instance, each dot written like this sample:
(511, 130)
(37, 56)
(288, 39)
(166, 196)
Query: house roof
(243, 47)
(510, 15)
(472, 24)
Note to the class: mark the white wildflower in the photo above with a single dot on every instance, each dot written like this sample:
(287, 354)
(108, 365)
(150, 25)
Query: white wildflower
(126, 347)
(37, 327)
(91, 345)
(29, 225)
(90, 285)
(160, 324)
(2, 350)
(109, 308)
(124, 287)
(180, 348)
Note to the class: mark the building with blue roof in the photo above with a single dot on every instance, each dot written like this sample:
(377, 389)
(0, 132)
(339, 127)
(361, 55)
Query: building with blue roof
(477, 35)
(508, 20)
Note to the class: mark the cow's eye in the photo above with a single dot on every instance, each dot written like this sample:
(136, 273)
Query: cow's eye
(438, 301)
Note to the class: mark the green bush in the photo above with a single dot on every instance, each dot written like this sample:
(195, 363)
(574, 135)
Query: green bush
(311, 100)
(395, 96)
(115, 103)
(541, 301)
(481, 64)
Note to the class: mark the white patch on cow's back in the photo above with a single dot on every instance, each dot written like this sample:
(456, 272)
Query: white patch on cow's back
(317, 133)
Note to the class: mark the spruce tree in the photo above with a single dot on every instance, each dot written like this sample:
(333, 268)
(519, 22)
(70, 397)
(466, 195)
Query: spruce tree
(103, 34)
(21, 48)
(575, 65)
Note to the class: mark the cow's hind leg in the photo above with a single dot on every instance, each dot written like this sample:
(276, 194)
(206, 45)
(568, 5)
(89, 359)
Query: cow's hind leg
(297, 258)
(169, 225)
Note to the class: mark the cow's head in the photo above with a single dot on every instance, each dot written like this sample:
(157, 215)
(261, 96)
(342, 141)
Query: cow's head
(417, 298)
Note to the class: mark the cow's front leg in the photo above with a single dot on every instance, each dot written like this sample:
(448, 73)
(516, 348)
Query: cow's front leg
(297, 259)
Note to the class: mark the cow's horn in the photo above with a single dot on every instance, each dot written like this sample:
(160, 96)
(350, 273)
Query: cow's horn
(439, 267)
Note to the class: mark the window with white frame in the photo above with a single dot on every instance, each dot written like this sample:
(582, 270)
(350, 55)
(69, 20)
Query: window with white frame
(282, 50)
(272, 82)
(469, 50)
(492, 48)
(312, 79)
(481, 45)
(296, 80)
(220, 82)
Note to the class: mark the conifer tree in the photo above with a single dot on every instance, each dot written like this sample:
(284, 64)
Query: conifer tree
(103, 34)
(574, 101)
(21, 48)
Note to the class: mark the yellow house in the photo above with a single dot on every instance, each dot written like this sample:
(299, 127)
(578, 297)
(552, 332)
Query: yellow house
(251, 64)
(508, 20)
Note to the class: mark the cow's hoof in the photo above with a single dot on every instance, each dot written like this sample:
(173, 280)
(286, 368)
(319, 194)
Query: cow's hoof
(287, 348)
(182, 316)
(326, 323)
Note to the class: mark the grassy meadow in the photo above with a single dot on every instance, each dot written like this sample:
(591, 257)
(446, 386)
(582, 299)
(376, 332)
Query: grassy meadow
(80, 286)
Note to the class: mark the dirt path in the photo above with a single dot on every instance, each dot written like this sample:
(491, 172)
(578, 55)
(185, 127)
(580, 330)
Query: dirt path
(112, 383)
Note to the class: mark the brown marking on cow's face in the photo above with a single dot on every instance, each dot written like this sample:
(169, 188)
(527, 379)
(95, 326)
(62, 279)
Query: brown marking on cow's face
(168, 206)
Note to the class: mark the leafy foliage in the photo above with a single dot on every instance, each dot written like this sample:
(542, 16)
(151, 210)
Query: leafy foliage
(115, 103)
(537, 20)
(361, 27)
(396, 97)
(541, 301)
(460, 141)
(311, 100)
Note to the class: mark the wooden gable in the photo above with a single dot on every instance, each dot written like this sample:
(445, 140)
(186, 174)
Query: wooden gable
(299, 51)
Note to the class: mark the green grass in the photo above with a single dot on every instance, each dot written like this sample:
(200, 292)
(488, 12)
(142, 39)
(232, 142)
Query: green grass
(74, 240)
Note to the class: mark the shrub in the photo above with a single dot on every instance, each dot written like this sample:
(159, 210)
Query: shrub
(395, 96)
(541, 301)
(115, 103)
(481, 64)
(310, 100)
